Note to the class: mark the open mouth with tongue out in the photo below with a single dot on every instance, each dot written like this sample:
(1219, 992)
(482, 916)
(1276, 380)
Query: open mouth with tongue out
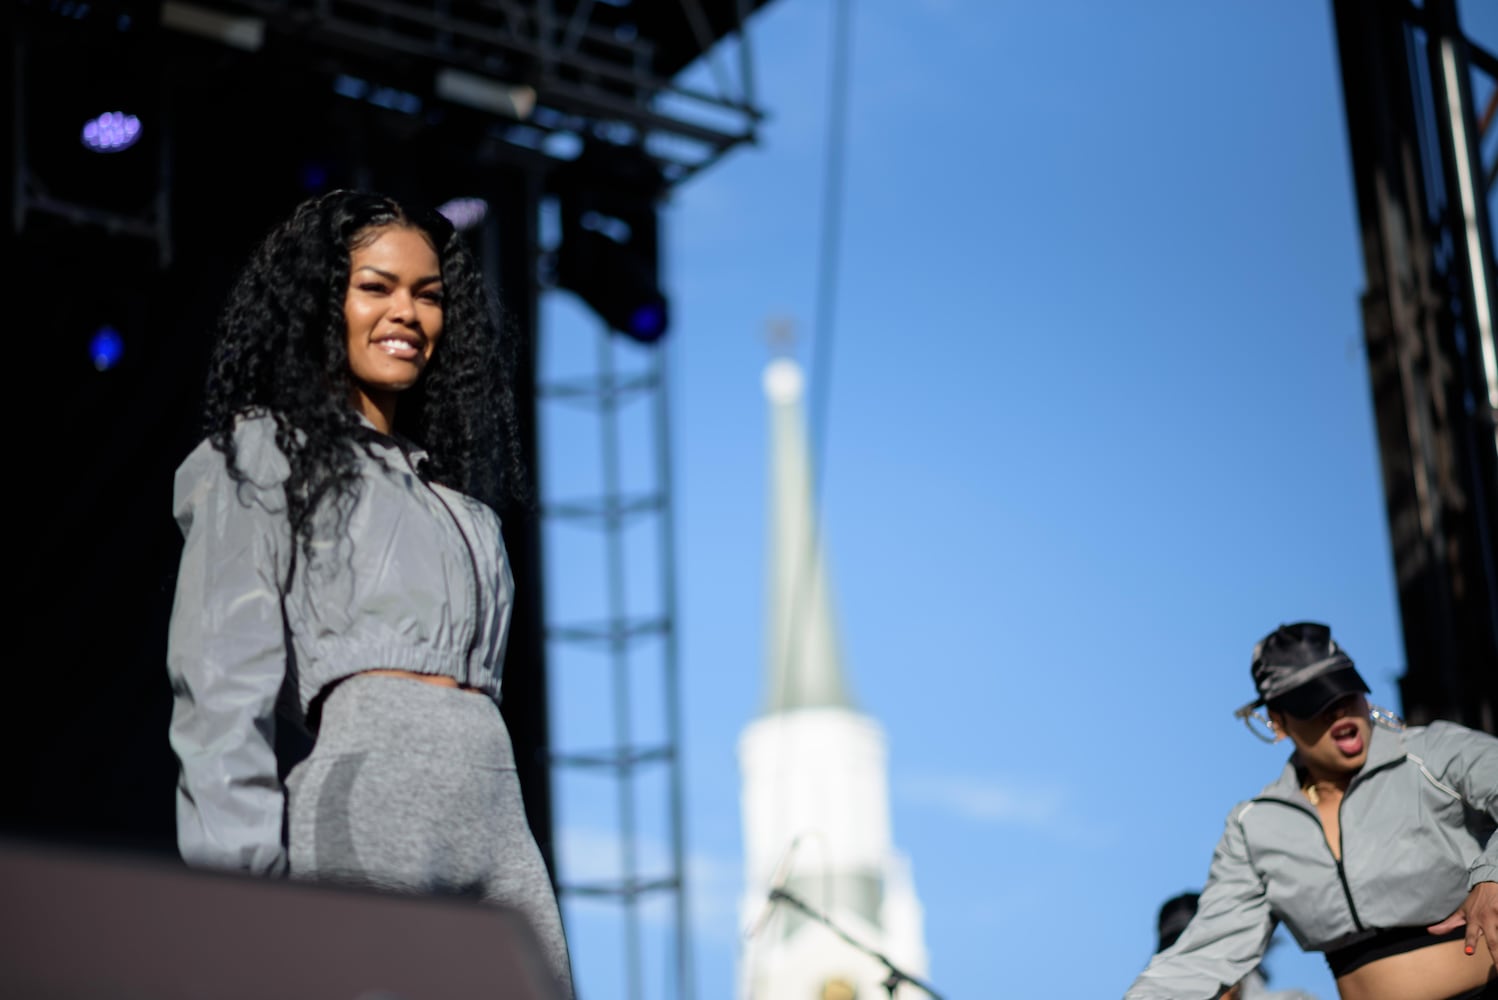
(1348, 737)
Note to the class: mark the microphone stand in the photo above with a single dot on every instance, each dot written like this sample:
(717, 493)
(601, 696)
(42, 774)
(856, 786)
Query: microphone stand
(896, 976)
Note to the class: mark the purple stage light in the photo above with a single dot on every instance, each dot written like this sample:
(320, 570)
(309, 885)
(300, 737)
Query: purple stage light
(111, 132)
(106, 348)
(647, 321)
(465, 213)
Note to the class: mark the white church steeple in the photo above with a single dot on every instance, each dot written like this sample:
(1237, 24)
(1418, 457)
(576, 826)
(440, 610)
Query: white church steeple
(815, 783)
(803, 658)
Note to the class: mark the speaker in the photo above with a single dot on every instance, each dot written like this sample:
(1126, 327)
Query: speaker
(85, 925)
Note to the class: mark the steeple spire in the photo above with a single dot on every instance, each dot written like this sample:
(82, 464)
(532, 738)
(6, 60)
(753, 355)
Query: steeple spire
(803, 654)
(815, 770)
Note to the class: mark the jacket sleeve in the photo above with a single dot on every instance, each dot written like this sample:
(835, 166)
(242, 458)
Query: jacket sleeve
(1467, 760)
(226, 655)
(1227, 937)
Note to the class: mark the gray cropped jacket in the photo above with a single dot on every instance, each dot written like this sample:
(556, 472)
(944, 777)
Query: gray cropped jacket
(1417, 824)
(416, 580)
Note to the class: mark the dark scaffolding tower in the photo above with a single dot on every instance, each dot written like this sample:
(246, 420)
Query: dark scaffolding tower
(247, 107)
(1425, 170)
(620, 756)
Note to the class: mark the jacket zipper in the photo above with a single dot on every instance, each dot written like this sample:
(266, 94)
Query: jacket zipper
(1337, 857)
(1342, 872)
(473, 564)
(1352, 909)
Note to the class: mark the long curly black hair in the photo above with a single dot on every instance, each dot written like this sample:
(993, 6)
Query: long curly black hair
(282, 351)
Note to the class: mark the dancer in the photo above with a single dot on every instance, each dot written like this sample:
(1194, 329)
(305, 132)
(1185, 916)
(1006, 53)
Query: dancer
(343, 559)
(1374, 846)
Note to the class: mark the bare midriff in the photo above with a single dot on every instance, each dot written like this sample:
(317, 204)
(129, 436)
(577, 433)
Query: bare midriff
(1435, 973)
(436, 680)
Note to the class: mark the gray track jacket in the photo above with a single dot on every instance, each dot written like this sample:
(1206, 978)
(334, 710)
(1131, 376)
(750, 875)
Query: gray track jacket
(418, 581)
(1417, 824)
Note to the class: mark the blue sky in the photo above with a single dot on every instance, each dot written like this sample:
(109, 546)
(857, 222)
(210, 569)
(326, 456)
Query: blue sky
(1099, 418)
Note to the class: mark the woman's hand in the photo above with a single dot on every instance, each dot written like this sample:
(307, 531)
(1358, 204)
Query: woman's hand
(1479, 911)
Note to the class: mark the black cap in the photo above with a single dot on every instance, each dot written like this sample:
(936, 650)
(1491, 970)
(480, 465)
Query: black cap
(1299, 670)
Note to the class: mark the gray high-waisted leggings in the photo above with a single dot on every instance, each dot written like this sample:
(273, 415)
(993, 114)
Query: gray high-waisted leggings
(412, 787)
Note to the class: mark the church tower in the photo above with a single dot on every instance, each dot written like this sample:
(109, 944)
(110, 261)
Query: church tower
(815, 783)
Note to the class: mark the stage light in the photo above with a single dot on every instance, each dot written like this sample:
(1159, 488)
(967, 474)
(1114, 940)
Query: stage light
(609, 253)
(111, 132)
(465, 213)
(648, 322)
(106, 348)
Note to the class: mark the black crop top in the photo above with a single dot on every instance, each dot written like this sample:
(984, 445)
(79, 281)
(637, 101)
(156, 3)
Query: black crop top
(1383, 943)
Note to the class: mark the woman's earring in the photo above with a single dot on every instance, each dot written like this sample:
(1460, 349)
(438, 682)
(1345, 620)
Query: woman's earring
(1384, 717)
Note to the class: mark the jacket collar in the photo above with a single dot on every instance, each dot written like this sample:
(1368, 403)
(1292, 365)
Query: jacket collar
(1385, 747)
(387, 444)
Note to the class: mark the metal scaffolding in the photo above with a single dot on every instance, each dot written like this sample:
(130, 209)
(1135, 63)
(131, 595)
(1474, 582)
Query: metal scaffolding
(513, 81)
(1413, 83)
(620, 640)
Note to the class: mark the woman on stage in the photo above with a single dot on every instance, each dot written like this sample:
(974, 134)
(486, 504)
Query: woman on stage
(343, 564)
(1375, 845)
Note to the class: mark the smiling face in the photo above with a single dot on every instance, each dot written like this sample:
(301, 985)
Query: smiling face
(393, 311)
(1331, 746)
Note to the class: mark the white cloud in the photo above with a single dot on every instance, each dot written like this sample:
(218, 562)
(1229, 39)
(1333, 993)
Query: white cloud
(994, 801)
